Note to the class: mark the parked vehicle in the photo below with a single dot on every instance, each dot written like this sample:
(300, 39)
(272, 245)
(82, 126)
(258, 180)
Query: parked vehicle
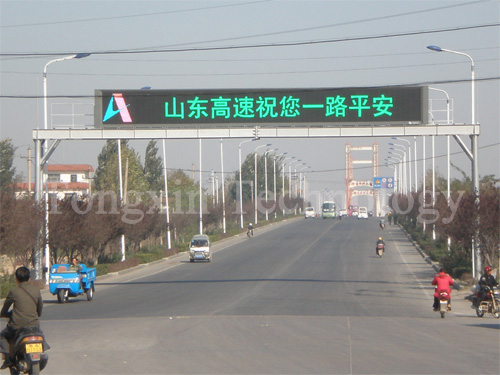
(309, 212)
(29, 352)
(65, 282)
(200, 248)
(491, 303)
(444, 300)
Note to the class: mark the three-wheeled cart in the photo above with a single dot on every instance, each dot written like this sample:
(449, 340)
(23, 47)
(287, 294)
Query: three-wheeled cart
(66, 283)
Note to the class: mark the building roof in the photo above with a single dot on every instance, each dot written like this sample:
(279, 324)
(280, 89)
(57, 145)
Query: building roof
(70, 168)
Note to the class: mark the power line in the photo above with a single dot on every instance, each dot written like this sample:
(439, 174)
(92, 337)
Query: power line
(485, 79)
(246, 73)
(262, 45)
(133, 15)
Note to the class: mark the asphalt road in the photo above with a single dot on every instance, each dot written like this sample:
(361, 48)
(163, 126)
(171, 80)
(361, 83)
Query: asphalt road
(308, 297)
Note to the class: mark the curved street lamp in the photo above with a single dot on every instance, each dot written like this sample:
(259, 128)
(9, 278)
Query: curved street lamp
(38, 261)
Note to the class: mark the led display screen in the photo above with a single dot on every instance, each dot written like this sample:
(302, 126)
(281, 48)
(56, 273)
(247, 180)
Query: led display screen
(261, 107)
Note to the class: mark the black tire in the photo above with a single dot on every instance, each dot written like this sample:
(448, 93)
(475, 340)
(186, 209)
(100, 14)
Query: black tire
(479, 312)
(90, 293)
(62, 295)
(35, 369)
(442, 314)
(191, 260)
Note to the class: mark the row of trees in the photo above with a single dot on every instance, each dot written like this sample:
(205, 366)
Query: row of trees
(90, 227)
(456, 220)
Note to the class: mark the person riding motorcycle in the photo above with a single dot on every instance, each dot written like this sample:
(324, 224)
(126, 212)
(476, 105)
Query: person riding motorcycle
(250, 229)
(380, 241)
(443, 281)
(486, 281)
(28, 305)
(382, 223)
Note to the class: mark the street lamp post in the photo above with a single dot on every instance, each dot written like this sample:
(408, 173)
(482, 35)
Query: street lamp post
(409, 159)
(265, 178)
(275, 196)
(395, 158)
(38, 258)
(255, 179)
(283, 176)
(402, 182)
(241, 187)
(448, 161)
(476, 247)
(223, 188)
(290, 177)
(405, 176)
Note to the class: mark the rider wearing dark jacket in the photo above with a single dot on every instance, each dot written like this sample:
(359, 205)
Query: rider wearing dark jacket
(28, 305)
(379, 241)
(487, 279)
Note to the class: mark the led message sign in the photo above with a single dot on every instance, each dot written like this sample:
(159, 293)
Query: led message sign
(266, 107)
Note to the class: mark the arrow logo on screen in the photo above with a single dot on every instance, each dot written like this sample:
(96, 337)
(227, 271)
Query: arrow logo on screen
(121, 109)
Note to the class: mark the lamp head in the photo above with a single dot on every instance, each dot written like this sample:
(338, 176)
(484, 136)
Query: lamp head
(435, 48)
(81, 55)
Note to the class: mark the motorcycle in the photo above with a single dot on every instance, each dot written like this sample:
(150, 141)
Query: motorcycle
(29, 352)
(250, 233)
(490, 303)
(380, 249)
(382, 225)
(444, 299)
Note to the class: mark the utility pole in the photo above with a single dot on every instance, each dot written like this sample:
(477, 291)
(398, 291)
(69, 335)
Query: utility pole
(29, 160)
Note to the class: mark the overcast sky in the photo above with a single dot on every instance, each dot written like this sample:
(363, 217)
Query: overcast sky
(350, 44)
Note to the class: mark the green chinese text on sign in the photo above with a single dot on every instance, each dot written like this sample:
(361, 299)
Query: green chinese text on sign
(277, 107)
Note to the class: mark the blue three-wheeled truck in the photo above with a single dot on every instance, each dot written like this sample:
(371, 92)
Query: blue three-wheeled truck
(66, 283)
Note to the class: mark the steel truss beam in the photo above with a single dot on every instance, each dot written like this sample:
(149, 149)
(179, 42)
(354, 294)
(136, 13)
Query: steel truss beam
(279, 132)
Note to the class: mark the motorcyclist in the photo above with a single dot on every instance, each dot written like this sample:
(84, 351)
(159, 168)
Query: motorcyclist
(487, 280)
(380, 241)
(250, 229)
(382, 223)
(28, 305)
(443, 281)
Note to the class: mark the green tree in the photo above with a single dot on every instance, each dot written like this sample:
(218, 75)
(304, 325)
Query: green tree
(248, 177)
(7, 171)
(106, 176)
(153, 166)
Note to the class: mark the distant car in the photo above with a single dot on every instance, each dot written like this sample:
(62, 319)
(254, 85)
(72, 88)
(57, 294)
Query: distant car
(309, 212)
(199, 248)
(363, 213)
(343, 212)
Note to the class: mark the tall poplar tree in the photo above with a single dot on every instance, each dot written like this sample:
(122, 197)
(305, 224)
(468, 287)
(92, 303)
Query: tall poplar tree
(106, 175)
(7, 171)
(153, 166)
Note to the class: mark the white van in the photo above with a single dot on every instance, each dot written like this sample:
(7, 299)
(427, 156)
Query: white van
(199, 248)
(363, 213)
